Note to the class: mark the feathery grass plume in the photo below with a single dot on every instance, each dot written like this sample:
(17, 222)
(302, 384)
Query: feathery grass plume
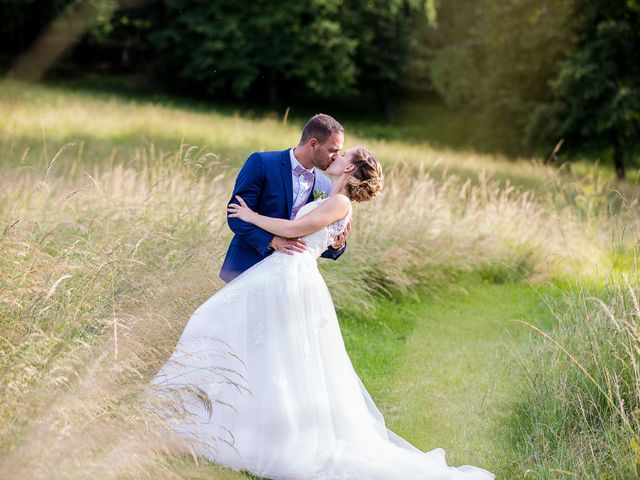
(103, 269)
(581, 410)
(579, 415)
(106, 252)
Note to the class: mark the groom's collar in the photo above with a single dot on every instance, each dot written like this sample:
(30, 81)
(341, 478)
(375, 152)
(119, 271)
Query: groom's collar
(295, 162)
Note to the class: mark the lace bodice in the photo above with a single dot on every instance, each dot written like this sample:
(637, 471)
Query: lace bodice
(318, 242)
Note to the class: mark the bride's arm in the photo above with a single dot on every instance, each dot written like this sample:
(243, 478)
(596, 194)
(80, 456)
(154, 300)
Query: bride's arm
(331, 210)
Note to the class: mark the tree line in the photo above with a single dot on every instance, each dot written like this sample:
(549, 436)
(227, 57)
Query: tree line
(539, 73)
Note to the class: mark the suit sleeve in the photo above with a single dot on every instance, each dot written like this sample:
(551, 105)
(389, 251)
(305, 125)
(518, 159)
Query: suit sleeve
(332, 253)
(249, 185)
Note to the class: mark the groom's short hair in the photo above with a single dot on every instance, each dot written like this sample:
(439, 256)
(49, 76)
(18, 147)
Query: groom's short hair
(320, 127)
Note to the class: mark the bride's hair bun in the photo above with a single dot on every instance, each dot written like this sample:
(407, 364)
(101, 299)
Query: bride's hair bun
(367, 179)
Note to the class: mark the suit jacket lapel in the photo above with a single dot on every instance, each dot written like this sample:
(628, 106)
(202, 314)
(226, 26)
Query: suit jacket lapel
(285, 166)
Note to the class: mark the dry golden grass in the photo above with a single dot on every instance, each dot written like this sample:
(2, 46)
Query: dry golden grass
(103, 258)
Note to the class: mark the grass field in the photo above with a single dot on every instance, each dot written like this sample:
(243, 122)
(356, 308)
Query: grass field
(113, 232)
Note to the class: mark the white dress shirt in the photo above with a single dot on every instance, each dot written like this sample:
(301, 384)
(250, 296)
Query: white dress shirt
(301, 186)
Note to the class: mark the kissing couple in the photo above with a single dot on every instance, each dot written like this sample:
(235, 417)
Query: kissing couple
(260, 372)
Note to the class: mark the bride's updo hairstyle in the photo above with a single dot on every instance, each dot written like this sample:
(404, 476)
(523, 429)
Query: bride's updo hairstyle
(367, 179)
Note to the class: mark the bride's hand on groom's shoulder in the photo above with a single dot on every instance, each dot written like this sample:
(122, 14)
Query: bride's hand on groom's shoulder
(240, 210)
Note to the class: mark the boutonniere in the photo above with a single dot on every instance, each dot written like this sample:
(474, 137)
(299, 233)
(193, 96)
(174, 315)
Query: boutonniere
(318, 194)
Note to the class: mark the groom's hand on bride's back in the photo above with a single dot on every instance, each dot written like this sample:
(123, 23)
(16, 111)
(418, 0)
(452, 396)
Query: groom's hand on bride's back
(288, 245)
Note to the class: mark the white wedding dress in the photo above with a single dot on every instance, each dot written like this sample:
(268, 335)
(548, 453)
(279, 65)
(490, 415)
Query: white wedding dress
(267, 352)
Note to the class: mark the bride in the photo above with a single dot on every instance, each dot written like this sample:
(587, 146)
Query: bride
(261, 375)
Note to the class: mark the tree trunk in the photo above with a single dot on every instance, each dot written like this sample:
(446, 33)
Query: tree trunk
(618, 158)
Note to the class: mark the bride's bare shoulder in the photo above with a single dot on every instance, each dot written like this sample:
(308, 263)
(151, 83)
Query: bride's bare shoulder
(339, 199)
(338, 202)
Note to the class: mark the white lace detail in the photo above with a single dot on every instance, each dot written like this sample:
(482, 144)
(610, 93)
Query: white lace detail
(318, 242)
(336, 228)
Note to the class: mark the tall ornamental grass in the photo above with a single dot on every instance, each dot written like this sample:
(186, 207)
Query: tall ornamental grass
(112, 232)
(101, 267)
(579, 415)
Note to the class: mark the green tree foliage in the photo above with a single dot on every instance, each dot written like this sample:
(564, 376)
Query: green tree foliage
(598, 88)
(523, 42)
(382, 30)
(445, 52)
(326, 47)
(543, 70)
(533, 71)
(229, 46)
(498, 59)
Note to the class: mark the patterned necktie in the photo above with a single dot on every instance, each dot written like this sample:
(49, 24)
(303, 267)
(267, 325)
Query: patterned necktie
(303, 172)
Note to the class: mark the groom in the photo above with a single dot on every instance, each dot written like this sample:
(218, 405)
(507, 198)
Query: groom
(278, 184)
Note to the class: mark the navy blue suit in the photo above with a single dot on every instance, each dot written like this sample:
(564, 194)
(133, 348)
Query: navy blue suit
(266, 184)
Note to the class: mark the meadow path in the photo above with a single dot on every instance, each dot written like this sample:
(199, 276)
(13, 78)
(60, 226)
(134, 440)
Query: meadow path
(460, 374)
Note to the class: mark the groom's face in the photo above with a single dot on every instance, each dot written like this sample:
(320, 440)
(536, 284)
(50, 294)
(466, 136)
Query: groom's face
(325, 153)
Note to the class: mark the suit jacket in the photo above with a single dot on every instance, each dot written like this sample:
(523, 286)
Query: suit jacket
(265, 183)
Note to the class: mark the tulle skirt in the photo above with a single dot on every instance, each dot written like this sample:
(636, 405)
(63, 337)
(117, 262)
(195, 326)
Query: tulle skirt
(264, 384)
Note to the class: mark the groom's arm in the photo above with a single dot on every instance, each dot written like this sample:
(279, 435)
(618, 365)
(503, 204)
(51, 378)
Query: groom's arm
(334, 253)
(249, 185)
